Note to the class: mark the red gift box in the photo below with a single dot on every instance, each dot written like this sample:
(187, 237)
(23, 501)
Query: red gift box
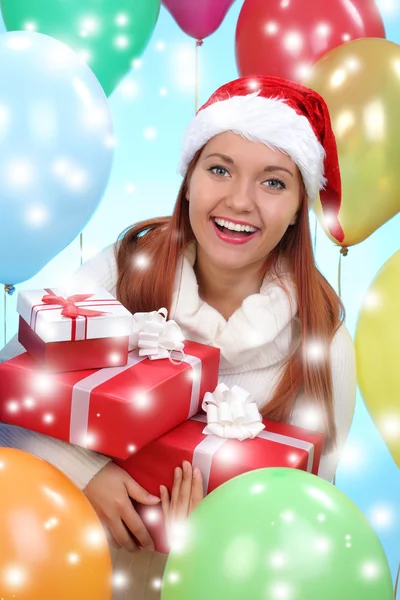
(116, 410)
(78, 332)
(219, 459)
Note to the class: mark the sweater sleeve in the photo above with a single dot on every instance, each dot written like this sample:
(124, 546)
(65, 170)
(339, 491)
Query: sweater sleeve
(343, 365)
(79, 464)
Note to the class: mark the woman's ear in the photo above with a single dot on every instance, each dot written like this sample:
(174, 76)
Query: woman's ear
(294, 220)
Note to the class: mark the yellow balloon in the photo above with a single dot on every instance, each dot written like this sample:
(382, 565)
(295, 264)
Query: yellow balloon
(360, 82)
(377, 344)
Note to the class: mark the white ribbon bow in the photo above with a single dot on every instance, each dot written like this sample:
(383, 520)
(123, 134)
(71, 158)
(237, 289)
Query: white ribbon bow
(231, 413)
(156, 337)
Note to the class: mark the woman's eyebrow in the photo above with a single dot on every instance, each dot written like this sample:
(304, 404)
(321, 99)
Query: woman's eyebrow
(226, 158)
(271, 168)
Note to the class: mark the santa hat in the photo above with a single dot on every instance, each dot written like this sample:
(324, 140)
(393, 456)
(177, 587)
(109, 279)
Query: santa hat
(283, 115)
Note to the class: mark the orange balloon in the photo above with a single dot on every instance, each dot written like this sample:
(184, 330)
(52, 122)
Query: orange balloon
(52, 544)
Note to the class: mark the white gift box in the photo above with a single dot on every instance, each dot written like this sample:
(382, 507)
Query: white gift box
(48, 322)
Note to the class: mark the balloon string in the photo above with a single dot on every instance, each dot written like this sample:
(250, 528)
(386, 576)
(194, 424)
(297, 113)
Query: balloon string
(343, 251)
(8, 291)
(397, 583)
(81, 247)
(198, 44)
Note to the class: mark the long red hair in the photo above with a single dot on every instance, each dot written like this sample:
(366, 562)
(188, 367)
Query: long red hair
(161, 241)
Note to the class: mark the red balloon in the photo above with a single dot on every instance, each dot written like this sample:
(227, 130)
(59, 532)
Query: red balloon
(198, 18)
(284, 38)
(372, 18)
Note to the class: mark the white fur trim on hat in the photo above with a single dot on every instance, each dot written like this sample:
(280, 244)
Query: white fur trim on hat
(267, 120)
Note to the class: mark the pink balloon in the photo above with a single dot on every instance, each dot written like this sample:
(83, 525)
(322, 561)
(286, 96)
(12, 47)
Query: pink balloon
(198, 18)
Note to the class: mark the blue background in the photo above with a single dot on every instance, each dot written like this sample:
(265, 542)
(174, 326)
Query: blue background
(150, 109)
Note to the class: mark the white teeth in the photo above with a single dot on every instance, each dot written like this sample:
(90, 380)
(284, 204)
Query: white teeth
(234, 226)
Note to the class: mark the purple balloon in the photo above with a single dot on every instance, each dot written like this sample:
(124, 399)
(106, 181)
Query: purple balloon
(198, 18)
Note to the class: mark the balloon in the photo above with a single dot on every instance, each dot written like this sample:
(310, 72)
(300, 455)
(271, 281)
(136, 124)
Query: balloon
(371, 17)
(108, 34)
(377, 344)
(55, 151)
(285, 38)
(360, 82)
(277, 533)
(52, 543)
(198, 18)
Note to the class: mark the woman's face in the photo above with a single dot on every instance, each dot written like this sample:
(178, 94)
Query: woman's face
(235, 183)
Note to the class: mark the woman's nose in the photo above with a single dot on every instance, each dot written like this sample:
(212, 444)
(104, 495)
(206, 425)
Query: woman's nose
(241, 197)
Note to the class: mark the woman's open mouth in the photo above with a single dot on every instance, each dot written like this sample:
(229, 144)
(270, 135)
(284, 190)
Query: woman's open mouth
(239, 235)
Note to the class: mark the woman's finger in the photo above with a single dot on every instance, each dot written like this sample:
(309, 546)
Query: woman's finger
(121, 535)
(197, 493)
(136, 526)
(110, 538)
(182, 508)
(165, 502)
(176, 489)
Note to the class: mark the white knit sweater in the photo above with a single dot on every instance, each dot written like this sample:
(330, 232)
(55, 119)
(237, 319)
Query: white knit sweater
(254, 342)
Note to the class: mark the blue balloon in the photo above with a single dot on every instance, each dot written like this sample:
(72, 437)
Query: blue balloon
(56, 150)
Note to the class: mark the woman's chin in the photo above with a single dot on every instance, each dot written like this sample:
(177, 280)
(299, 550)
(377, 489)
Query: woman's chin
(230, 262)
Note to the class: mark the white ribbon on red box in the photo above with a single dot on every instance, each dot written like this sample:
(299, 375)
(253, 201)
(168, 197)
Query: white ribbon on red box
(232, 413)
(155, 336)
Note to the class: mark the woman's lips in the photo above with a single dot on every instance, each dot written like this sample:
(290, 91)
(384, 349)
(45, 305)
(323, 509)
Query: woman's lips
(232, 239)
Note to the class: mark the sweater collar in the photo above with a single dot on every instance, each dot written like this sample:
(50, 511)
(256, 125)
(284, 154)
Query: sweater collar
(264, 331)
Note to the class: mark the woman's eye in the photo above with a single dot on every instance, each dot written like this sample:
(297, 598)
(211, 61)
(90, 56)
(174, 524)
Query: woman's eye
(218, 170)
(275, 184)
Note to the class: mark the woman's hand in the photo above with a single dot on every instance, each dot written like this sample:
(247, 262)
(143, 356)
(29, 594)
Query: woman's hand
(187, 492)
(110, 493)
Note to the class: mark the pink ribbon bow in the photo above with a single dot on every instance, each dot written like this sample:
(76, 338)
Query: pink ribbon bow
(69, 307)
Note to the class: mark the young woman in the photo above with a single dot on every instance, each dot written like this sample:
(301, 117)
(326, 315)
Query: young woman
(235, 268)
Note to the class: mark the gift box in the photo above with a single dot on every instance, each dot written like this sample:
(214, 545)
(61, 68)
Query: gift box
(116, 410)
(219, 459)
(74, 332)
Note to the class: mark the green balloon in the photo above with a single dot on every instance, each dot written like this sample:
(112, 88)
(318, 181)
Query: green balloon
(109, 34)
(277, 534)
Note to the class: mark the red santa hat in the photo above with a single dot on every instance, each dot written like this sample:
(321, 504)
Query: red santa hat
(283, 115)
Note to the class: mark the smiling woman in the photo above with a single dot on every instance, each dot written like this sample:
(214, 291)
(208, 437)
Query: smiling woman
(235, 268)
(234, 263)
